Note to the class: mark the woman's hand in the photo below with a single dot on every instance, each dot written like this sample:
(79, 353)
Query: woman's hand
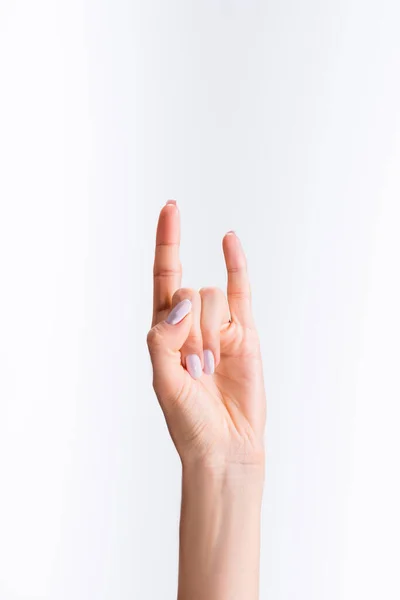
(208, 377)
(207, 369)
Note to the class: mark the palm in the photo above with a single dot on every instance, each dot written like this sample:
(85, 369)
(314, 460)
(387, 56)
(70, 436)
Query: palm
(221, 407)
(222, 414)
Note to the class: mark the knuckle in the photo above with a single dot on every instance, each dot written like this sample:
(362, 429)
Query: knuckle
(208, 291)
(153, 337)
(182, 293)
(194, 340)
(167, 244)
(211, 291)
(208, 333)
(161, 272)
(240, 294)
(241, 268)
(193, 343)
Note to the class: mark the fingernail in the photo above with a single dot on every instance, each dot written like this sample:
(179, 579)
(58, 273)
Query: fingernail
(209, 362)
(193, 365)
(231, 232)
(171, 202)
(179, 311)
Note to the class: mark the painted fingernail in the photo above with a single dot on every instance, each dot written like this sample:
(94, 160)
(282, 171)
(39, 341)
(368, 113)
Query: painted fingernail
(179, 311)
(193, 365)
(209, 362)
(171, 202)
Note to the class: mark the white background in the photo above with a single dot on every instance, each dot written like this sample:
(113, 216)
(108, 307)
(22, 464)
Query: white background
(280, 120)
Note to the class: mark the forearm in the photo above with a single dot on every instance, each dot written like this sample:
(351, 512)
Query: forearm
(220, 533)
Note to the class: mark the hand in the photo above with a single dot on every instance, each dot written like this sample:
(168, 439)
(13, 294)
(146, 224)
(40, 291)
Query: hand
(205, 353)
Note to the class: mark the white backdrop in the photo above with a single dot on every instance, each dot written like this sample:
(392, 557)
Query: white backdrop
(280, 120)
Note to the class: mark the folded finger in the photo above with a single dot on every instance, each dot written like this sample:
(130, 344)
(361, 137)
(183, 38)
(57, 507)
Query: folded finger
(192, 349)
(214, 313)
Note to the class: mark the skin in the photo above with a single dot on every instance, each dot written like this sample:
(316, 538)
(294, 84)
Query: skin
(216, 420)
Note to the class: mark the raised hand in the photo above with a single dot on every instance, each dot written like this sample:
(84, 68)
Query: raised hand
(205, 353)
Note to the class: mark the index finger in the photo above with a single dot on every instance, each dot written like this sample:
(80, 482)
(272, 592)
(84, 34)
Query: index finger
(167, 270)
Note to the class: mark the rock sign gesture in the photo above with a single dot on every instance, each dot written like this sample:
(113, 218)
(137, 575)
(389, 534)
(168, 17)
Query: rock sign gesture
(205, 353)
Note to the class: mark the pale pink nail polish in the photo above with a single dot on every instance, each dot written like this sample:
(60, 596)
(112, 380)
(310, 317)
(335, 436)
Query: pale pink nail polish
(193, 365)
(209, 362)
(179, 311)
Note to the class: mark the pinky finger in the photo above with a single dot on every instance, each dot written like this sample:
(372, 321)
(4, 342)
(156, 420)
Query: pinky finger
(238, 292)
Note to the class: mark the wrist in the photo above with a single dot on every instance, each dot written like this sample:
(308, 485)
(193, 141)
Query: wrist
(219, 531)
(224, 477)
(248, 463)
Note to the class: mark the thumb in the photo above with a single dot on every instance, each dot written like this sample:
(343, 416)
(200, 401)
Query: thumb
(164, 342)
